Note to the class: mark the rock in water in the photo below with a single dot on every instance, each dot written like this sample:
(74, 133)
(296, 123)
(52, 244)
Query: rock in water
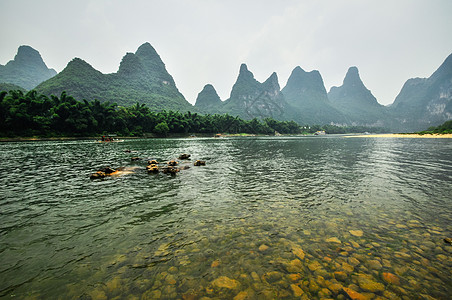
(152, 169)
(184, 156)
(354, 295)
(170, 170)
(333, 240)
(200, 163)
(390, 278)
(298, 252)
(448, 240)
(225, 282)
(172, 163)
(357, 233)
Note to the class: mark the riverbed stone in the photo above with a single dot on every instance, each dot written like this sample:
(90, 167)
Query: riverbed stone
(113, 285)
(333, 240)
(341, 276)
(353, 261)
(354, 244)
(297, 251)
(324, 293)
(241, 296)
(170, 279)
(374, 264)
(272, 276)
(357, 233)
(151, 294)
(297, 291)
(226, 282)
(98, 294)
(368, 283)
(354, 295)
(333, 287)
(294, 277)
(255, 276)
(390, 278)
(215, 263)
(313, 286)
(315, 265)
(346, 267)
(294, 266)
(263, 248)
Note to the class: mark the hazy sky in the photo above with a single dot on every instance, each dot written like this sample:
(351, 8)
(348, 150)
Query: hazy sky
(205, 41)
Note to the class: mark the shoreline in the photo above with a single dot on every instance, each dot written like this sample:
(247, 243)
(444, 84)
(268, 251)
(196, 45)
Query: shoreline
(404, 135)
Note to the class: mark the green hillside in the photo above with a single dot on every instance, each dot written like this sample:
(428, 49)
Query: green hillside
(142, 77)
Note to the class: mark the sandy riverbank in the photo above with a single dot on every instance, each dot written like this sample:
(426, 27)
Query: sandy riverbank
(401, 135)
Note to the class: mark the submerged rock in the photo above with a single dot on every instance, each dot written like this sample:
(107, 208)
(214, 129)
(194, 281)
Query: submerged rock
(225, 282)
(184, 156)
(390, 278)
(172, 163)
(153, 162)
(354, 295)
(200, 163)
(357, 233)
(448, 240)
(98, 175)
(368, 283)
(152, 169)
(333, 240)
(297, 251)
(263, 248)
(297, 291)
(170, 170)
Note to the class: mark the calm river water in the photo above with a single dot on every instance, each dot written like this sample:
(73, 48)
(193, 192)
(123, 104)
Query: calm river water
(266, 218)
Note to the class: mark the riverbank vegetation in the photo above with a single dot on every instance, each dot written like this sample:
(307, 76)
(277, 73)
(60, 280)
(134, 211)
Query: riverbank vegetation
(445, 128)
(32, 114)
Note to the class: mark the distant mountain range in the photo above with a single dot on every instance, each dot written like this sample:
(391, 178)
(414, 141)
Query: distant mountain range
(142, 77)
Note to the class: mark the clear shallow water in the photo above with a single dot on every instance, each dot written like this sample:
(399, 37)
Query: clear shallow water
(266, 218)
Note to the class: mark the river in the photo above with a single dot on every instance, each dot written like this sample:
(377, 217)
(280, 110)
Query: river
(265, 218)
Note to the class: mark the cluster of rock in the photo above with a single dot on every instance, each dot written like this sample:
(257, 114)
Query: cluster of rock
(170, 167)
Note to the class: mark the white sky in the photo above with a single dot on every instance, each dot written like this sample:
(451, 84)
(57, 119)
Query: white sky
(205, 41)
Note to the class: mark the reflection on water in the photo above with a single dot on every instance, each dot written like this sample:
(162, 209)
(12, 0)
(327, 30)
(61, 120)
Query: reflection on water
(310, 218)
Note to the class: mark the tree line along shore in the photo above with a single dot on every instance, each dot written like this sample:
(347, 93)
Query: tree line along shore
(36, 115)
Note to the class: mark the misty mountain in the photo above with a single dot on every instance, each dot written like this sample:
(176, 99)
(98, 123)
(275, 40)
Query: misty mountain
(208, 99)
(424, 102)
(251, 99)
(355, 101)
(27, 70)
(142, 77)
(306, 93)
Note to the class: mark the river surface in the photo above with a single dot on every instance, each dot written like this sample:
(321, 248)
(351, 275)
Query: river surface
(265, 218)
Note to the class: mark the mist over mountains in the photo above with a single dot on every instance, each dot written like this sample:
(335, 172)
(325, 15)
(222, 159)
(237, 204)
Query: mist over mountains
(142, 77)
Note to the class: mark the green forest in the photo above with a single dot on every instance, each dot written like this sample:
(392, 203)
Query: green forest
(35, 115)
